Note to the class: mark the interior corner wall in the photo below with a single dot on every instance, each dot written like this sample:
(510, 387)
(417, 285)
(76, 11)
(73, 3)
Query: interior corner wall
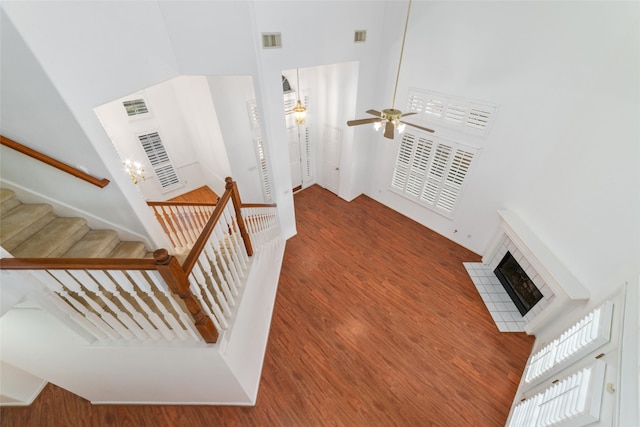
(231, 95)
(36, 115)
(563, 149)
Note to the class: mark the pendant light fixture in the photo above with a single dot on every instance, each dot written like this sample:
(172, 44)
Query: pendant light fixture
(299, 111)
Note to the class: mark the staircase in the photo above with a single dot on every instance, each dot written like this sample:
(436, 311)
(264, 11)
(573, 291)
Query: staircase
(140, 330)
(35, 231)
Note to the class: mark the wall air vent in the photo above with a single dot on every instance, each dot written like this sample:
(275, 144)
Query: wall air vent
(271, 40)
(360, 36)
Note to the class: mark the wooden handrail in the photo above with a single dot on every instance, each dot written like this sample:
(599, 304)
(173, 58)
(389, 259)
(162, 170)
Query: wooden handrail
(167, 203)
(259, 205)
(178, 282)
(77, 264)
(237, 204)
(198, 246)
(53, 162)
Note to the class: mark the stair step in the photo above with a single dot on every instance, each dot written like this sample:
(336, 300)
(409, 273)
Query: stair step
(8, 201)
(22, 222)
(128, 250)
(94, 244)
(54, 239)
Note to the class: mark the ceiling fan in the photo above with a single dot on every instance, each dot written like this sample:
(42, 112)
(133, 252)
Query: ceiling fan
(390, 117)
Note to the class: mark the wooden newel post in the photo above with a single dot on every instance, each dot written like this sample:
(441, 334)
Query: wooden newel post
(237, 205)
(171, 271)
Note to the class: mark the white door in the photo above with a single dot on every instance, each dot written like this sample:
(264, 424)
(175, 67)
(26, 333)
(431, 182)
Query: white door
(295, 158)
(332, 150)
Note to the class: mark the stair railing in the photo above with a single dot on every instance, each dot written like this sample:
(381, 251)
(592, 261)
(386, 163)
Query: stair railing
(182, 221)
(53, 162)
(127, 299)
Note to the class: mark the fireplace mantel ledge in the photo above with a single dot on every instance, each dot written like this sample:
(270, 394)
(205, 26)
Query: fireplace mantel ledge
(562, 282)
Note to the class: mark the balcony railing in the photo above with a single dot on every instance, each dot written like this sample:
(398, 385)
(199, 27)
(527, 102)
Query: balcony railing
(161, 298)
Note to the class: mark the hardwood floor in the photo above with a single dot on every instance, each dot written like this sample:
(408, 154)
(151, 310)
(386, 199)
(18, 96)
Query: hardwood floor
(202, 194)
(376, 323)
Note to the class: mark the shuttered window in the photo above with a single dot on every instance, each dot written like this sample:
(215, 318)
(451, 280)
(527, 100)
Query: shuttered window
(264, 172)
(431, 171)
(159, 159)
(459, 113)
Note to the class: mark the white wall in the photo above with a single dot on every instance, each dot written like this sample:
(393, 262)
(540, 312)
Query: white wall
(563, 150)
(203, 38)
(231, 94)
(185, 118)
(35, 114)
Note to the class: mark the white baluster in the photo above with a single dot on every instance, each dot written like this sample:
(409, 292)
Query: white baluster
(226, 253)
(178, 243)
(67, 280)
(207, 298)
(143, 283)
(197, 293)
(117, 323)
(180, 231)
(186, 320)
(138, 324)
(59, 295)
(233, 244)
(221, 260)
(222, 283)
(148, 325)
(205, 266)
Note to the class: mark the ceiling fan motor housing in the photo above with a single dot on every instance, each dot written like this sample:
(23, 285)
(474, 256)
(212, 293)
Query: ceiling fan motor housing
(391, 114)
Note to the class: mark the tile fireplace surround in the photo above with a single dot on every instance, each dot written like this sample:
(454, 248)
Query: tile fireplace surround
(557, 285)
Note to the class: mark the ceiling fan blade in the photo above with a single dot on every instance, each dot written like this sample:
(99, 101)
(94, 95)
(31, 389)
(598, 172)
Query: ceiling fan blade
(389, 130)
(363, 121)
(374, 112)
(419, 127)
(409, 114)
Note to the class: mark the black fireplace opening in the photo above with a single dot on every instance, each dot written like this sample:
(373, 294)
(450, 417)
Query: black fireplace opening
(518, 285)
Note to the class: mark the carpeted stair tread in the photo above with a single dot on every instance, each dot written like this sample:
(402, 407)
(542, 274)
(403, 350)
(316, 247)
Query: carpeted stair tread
(94, 244)
(8, 201)
(53, 240)
(128, 250)
(22, 222)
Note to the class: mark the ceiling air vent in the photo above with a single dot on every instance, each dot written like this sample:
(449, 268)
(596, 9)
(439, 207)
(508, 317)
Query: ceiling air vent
(271, 40)
(360, 36)
(135, 107)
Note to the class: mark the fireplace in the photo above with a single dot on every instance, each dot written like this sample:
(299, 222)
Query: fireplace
(549, 287)
(517, 283)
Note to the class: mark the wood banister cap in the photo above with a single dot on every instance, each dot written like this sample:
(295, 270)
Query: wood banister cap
(161, 256)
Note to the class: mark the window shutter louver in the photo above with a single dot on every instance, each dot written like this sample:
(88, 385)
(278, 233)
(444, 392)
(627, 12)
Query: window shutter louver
(465, 115)
(264, 173)
(159, 160)
(431, 172)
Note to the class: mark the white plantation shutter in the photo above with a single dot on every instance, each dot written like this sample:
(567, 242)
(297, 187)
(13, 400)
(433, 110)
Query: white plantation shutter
(307, 174)
(455, 112)
(264, 173)
(571, 401)
(252, 111)
(159, 159)
(431, 172)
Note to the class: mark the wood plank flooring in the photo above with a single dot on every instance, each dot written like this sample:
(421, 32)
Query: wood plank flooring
(376, 323)
(203, 194)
